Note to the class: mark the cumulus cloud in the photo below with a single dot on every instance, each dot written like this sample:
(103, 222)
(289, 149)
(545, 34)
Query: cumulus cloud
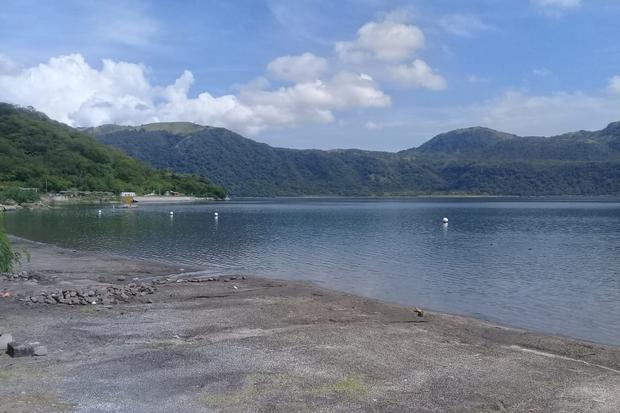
(386, 40)
(301, 68)
(418, 74)
(385, 48)
(614, 84)
(463, 24)
(68, 89)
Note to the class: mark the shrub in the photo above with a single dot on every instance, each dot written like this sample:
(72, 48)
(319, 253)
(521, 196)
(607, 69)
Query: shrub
(18, 195)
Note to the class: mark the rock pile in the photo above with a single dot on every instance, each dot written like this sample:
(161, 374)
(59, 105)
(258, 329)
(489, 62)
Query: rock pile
(106, 296)
(17, 276)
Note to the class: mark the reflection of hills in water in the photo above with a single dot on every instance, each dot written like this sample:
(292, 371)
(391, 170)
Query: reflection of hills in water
(497, 257)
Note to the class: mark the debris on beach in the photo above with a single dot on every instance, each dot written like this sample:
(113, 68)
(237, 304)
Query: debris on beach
(419, 312)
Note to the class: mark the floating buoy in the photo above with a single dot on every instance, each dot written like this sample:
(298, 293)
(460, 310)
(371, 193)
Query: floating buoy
(445, 220)
(99, 212)
(171, 213)
(215, 214)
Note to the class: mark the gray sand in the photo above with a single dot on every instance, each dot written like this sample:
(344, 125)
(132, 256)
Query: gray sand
(277, 346)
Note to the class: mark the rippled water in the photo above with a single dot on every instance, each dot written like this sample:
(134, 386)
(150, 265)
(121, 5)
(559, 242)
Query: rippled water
(552, 266)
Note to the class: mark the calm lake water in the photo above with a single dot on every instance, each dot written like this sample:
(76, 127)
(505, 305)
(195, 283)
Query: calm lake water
(551, 266)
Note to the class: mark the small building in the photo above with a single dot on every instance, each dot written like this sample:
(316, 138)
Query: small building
(128, 198)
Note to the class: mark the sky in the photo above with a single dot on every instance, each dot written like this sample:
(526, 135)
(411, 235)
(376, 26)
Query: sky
(370, 74)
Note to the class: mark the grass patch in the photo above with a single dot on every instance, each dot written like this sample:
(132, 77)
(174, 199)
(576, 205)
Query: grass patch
(351, 388)
(34, 403)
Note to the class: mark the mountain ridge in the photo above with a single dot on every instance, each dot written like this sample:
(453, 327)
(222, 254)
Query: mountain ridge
(473, 160)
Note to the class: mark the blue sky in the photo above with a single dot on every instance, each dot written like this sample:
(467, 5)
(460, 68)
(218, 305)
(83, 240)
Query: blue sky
(384, 75)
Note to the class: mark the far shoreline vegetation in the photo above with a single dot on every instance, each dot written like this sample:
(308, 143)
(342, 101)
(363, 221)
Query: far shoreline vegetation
(39, 155)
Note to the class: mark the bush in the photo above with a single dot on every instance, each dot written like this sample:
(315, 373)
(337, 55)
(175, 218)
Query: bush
(18, 195)
(8, 257)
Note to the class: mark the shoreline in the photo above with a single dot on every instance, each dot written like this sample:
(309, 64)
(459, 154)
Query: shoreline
(189, 269)
(260, 341)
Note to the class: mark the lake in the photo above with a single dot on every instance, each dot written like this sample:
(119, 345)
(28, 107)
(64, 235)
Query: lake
(547, 265)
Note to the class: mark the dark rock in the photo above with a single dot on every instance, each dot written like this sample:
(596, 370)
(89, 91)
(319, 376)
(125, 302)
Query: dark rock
(20, 350)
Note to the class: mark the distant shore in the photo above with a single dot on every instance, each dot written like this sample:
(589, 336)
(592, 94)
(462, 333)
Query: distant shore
(250, 344)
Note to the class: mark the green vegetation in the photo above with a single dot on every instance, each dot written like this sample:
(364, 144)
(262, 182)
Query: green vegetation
(467, 161)
(37, 152)
(8, 256)
(18, 195)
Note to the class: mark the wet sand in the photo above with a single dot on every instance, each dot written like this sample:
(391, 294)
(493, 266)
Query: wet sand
(260, 345)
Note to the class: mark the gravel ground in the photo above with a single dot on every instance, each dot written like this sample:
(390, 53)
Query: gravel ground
(259, 345)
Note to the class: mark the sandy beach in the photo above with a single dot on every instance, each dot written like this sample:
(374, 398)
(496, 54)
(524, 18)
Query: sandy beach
(261, 345)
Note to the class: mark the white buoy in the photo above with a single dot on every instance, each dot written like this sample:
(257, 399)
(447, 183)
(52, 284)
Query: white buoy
(215, 214)
(445, 220)
(99, 212)
(171, 213)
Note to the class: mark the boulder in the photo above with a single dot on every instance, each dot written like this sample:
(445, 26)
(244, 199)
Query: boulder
(5, 339)
(20, 350)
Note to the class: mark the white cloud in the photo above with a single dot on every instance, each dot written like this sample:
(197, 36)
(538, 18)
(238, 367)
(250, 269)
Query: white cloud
(524, 114)
(68, 89)
(478, 79)
(560, 4)
(128, 23)
(463, 24)
(386, 40)
(370, 125)
(418, 74)
(7, 65)
(301, 68)
(614, 84)
(374, 126)
(384, 47)
(555, 8)
(542, 72)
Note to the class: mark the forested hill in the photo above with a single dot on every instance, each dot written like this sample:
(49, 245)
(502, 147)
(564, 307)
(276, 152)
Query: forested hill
(38, 152)
(472, 161)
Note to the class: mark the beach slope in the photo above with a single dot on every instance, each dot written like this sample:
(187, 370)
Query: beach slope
(259, 345)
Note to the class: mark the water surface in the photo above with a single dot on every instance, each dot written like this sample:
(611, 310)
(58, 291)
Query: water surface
(551, 266)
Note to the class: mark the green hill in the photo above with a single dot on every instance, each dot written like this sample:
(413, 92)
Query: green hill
(465, 161)
(40, 153)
